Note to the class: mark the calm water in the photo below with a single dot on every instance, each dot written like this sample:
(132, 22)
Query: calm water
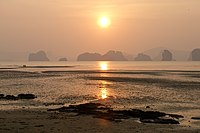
(172, 87)
(113, 65)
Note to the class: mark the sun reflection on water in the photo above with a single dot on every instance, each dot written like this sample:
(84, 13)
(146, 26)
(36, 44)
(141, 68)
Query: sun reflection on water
(103, 66)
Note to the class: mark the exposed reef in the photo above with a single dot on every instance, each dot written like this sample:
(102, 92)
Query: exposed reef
(101, 111)
(18, 97)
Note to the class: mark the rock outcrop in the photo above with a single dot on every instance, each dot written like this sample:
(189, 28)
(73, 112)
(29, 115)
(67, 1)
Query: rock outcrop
(195, 55)
(142, 57)
(63, 59)
(113, 56)
(39, 56)
(109, 56)
(167, 55)
(89, 57)
(18, 97)
(98, 110)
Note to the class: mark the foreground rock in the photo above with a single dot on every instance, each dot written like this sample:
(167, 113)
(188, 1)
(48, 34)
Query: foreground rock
(98, 110)
(195, 118)
(20, 96)
(26, 96)
(39, 56)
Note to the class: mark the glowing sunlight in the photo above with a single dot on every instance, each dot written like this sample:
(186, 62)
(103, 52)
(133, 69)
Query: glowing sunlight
(103, 66)
(104, 93)
(104, 21)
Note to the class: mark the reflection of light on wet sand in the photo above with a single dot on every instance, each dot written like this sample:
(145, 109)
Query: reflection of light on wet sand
(104, 93)
(103, 66)
(103, 90)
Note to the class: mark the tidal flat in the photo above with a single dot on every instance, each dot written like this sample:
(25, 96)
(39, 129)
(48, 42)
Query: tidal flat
(167, 91)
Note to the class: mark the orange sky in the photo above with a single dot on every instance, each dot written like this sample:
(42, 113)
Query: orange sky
(69, 27)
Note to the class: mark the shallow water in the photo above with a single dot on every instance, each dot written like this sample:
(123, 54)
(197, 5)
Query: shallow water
(172, 87)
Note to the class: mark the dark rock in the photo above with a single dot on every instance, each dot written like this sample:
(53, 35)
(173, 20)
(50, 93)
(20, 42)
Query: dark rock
(1, 95)
(63, 59)
(147, 107)
(11, 97)
(39, 56)
(143, 57)
(98, 110)
(159, 121)
(20, 96)
(26, 96)
(195, 55)
(152, 114)
(167, 55)
(195, 118)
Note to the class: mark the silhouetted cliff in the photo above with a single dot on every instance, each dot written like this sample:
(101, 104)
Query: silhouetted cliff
(63, 59)
(142, 57)
(39, 56)
(109, 56)
(167, 55)
(89, 57)
(113, 56)
(156, 54)
(195, 55)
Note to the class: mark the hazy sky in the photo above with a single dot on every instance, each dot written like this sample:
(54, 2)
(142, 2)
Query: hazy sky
(69, 27)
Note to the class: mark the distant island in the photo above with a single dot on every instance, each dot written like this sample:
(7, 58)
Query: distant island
(109, 56)
(38, 56)
(159, 54)
(62, 59)
(155, 54)
(167, 55)
(195, 55)
(142, 57)
(89, 57)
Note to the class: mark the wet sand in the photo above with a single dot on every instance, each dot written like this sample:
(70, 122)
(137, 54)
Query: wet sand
(32, 121)
(168, 91)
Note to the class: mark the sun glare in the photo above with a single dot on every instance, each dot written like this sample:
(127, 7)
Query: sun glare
(104, 21)
(104, 94)
(104, 66)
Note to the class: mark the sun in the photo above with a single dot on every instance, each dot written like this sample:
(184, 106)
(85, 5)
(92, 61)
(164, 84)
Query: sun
(104, 21)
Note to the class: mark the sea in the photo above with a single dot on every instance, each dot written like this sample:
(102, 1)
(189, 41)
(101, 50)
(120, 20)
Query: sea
(172, 87)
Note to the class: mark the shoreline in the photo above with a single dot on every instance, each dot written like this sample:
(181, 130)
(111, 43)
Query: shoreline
(35, 120)
(165, 91)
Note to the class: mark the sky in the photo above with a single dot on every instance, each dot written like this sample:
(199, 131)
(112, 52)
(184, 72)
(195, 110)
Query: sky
(66, 28)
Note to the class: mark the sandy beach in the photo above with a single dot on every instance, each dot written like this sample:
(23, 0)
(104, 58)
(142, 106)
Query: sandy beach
(162, 91)
(32, 121)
